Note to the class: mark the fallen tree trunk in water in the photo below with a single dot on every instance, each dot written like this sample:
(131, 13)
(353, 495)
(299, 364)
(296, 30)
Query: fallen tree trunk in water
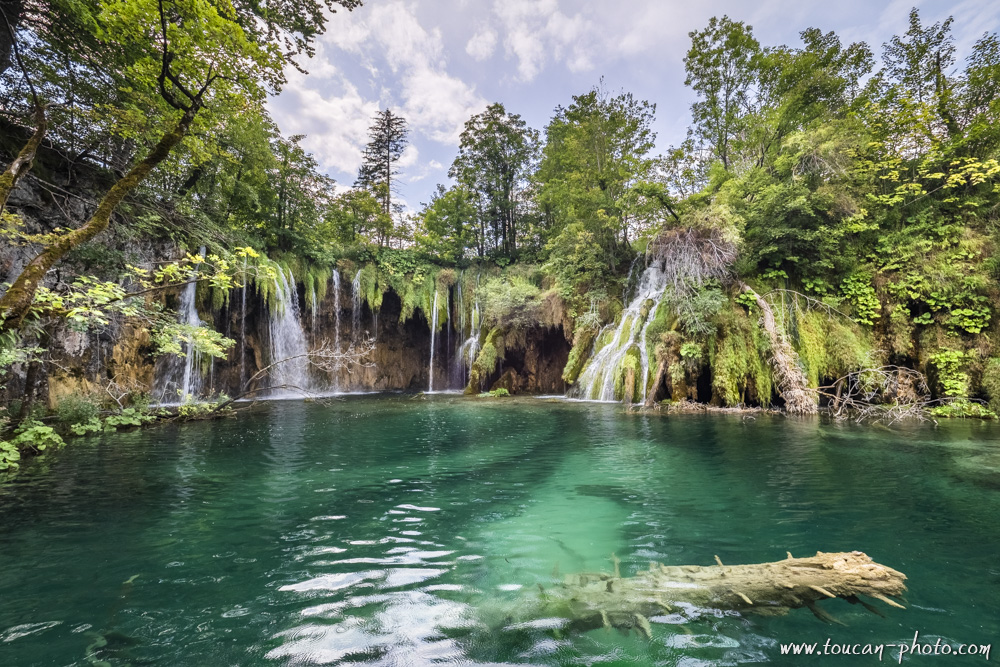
(591, 601)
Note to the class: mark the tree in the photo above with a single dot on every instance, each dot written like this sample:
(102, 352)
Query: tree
(185, 56)
(497, 152)
(356, 216)
(447, 224)
(303, 194)
(386, 142)
(720, 68)
(596, 152)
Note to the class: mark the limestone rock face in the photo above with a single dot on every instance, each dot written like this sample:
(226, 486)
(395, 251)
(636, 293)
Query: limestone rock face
(534, 362)
(122, 354)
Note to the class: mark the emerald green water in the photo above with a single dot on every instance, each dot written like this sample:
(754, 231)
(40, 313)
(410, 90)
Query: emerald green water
(384, 531)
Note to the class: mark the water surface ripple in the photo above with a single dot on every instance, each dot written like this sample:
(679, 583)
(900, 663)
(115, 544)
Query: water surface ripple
(395, 531)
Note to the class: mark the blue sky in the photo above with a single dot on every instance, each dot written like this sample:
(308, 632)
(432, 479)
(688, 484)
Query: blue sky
(437, 62)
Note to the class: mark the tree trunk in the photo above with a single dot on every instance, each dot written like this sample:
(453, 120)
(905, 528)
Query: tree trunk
(30, 382)
(16, 302)
(22, 163)
(661, 370)
(590, 601)
(792, 384)
(943, 90)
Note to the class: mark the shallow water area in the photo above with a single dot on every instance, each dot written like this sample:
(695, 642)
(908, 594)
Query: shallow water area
(402, 530)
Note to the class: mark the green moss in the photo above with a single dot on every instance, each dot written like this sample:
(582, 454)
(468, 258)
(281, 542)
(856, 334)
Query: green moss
(740, 372)
(631, 364)
(991, 382)
(316, 280)
(264, 273)
(830, 347)
(445, 279)
(371, 292)
(583, 342)
(488, 359)
(812, 345)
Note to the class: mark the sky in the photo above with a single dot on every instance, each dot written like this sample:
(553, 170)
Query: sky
(438, 62)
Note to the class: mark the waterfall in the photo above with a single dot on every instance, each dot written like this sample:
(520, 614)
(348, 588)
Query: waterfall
(336, 322)
(189, 315)
(243, 331)
(457, 363)
(314, 310)
(288, 341)
(356, 307)
(434, 326)
(597, 381)
(182, 379)
(447, 328)
(470, 348)
(336, 308)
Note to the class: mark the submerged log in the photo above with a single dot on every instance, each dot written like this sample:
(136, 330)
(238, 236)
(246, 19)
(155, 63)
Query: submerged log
(591, 601)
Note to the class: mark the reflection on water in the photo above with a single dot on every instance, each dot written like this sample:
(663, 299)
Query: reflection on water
(391, 531)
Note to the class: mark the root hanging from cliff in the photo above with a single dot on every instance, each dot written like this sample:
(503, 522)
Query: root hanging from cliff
(792, 384)
(594, 600)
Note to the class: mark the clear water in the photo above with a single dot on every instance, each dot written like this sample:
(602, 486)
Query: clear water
(397, 531)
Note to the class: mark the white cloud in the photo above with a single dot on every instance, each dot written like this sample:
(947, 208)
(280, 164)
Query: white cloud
(406, 68)
(482, 45)
(421, 172)
(409, 157)
(434, 61)
(438, 104)
(335, 121)
(537, 31)
(433, 102)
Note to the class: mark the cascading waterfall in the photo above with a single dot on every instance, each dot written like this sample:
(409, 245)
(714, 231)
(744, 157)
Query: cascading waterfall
(189, 311)
(336, 321)
(290, 377)
(314, 309)
(470, 346)
(597, 381)
(356, 307)
(182, 380)
(243, 329)
(434, 326)
(457, 363)
(335, 280)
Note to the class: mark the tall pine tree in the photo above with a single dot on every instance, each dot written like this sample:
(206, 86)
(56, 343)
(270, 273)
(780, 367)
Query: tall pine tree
(387, 140)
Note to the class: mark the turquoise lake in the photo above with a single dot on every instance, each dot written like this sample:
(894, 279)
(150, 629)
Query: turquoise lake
(388, 530)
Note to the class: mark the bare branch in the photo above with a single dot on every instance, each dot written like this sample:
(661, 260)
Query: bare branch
(811, 303)
(325, 358)
(692, 256)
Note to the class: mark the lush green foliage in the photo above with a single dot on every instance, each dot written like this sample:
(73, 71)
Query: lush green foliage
(495, 393)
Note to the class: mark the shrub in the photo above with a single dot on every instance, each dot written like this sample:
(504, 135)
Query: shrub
(9, 456)
(33, 434)
(75, 410)
(509, 301)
